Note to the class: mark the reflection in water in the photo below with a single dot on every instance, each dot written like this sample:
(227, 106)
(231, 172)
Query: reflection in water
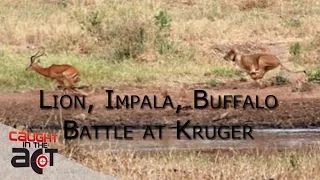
(264, 138)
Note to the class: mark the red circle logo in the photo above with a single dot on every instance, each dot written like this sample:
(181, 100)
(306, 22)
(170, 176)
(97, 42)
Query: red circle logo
(42, 161)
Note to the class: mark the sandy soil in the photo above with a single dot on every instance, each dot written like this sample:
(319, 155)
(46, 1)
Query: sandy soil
(296, 109)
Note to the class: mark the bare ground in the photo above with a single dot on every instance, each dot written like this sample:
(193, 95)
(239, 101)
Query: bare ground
(296, 109)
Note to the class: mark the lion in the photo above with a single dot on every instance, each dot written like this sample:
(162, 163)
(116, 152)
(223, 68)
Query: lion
(256, 65)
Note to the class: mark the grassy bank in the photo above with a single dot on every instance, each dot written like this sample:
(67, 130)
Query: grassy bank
(99, 73)
(152, 42)
(219, 164)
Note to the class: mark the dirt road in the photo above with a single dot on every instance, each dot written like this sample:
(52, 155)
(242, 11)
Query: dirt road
(295, 109)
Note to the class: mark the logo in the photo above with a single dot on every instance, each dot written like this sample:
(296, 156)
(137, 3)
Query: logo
(40, 158)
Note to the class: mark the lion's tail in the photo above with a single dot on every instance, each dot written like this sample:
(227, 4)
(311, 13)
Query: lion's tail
(304, 71)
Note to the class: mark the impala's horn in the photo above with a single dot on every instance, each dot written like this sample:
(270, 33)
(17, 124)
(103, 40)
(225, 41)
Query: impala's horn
(32, 58)
(36, 55)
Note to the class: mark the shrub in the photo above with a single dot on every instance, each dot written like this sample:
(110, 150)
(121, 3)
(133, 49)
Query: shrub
(163, 23)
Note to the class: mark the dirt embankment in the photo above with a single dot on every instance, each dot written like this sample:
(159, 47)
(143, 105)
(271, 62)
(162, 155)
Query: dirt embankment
(296, 109)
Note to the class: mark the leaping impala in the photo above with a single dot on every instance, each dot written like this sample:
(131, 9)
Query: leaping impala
(58, 72)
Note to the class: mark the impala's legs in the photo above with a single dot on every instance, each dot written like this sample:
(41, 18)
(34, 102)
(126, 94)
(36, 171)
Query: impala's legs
(71, 84)
(61, 83)
(77, 79)
(63, 86)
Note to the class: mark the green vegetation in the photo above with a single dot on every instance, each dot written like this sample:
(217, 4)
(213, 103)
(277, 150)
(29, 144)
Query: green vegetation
(213, 83)
(295, 51)
(96, 72)
(127, 42)
(314, 76)
(280, 80)
(162, 43)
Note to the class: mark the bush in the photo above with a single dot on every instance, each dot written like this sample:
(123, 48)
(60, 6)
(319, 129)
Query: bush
(314, 76)
(295, 51)
(280, 80)
(163, 23)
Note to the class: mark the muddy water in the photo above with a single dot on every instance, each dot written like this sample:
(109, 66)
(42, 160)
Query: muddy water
(264, 138)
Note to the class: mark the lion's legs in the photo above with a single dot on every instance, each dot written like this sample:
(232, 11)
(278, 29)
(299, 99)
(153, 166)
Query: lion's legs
(260, 83)
(257, 77)
(254, 69)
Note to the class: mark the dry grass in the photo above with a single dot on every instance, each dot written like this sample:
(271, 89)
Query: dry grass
(182, 40)
(219, 164)
(104, 26)
(260, 4)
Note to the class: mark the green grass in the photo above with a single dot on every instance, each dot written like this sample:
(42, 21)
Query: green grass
(314, 74)
(99, 73)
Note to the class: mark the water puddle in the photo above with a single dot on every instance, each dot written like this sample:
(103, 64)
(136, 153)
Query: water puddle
(263, 138)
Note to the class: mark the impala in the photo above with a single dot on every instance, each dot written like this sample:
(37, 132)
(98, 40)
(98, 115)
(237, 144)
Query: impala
(58, 72)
